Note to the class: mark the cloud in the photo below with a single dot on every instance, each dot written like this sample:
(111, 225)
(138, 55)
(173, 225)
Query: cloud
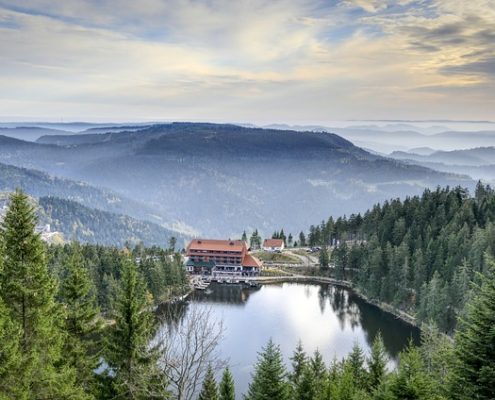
(258, 60)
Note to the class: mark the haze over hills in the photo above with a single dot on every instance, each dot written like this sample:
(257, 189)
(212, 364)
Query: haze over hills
(393, 137)
(470, 157)
(141, 220)
(29, 133)
(479, 163)
(90, 225)
(218, 180)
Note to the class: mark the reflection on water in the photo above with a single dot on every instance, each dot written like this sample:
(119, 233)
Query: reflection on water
(323, 317)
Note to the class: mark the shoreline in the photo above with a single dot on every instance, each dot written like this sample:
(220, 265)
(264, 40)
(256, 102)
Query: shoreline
(385, 307)
(403, 316)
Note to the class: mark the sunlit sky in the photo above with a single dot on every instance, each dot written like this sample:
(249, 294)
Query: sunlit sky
(260, 61)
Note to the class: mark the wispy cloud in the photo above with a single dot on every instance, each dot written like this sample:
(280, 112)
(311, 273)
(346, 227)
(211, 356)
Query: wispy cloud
(259, 60)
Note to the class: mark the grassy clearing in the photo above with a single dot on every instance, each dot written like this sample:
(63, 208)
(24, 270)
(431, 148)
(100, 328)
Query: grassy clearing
(277, 257)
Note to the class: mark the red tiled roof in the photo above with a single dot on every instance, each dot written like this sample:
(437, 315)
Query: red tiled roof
(273, 243)
(251, 261)
(217, 245)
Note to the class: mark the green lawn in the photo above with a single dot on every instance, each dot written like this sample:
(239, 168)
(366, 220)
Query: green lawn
(277, 257)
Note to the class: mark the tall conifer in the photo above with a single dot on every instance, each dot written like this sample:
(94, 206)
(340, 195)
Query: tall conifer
(10, 357)
(28, 292)
(473, 375)
(81, 318)
(209, 391)
(226, 387)
(269, 381)
(130, 358)
(377, 363)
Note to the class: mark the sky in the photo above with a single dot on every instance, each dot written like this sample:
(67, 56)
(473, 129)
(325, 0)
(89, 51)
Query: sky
(259, 61)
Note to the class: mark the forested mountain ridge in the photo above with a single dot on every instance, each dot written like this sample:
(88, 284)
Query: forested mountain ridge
(29, 133)
(40, 184)
(470, 157)
(479, 163)
(246, 178)
(89, 225)
(419, 254)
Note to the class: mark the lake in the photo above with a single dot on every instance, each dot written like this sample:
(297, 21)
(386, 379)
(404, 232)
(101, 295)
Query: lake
(324, 317)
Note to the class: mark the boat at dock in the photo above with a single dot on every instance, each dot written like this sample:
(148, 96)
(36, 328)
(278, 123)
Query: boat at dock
(200, 285)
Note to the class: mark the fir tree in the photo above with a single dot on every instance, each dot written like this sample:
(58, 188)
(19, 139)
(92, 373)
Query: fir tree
(436, 351)
(307, 385)
(226, 387)
(172, 243)
(411, 380)
(81, 322)
(355, 361)
(311, 383)
(377, 363)
(473, 372)
(132, 362)
(299, 361)
(28, 292)
(268, 381)
(317, 366)
(302, 239)
(209, 391)
(10, 357)
(324, 259)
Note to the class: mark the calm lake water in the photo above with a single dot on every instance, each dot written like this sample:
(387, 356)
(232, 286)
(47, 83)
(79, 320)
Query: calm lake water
(322, 316)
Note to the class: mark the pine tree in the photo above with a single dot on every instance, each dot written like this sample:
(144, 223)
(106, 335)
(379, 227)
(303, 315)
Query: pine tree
(302, 239)
(299, 361)
(226, 387)
(355, 361)
(268, 381)
(307, 385)
(473, 370)
(311, 383)
(10, 357)
(411, 380)
(209, 391)
(377, 363)
(172, 243)
(81, 322)
(436, 351)
(324, 259)
(28, 292)
(317, 366)
(132, 362)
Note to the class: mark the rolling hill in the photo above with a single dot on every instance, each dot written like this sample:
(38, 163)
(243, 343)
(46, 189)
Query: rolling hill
(222, 179)
(89, 225)
(471, 157)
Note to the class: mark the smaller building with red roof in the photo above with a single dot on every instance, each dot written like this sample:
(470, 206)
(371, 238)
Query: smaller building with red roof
(273, 245)
(221, 258)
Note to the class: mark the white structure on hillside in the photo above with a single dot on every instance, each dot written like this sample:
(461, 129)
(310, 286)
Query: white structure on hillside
(273, 245)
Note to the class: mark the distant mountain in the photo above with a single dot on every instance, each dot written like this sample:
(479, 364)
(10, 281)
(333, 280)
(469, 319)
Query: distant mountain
(218, 180)
(472, 157)
(423, 151)
(402, 137)
(40, 184)
(116, 128)
(485, 173)
(29, 133)
(90, 225)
